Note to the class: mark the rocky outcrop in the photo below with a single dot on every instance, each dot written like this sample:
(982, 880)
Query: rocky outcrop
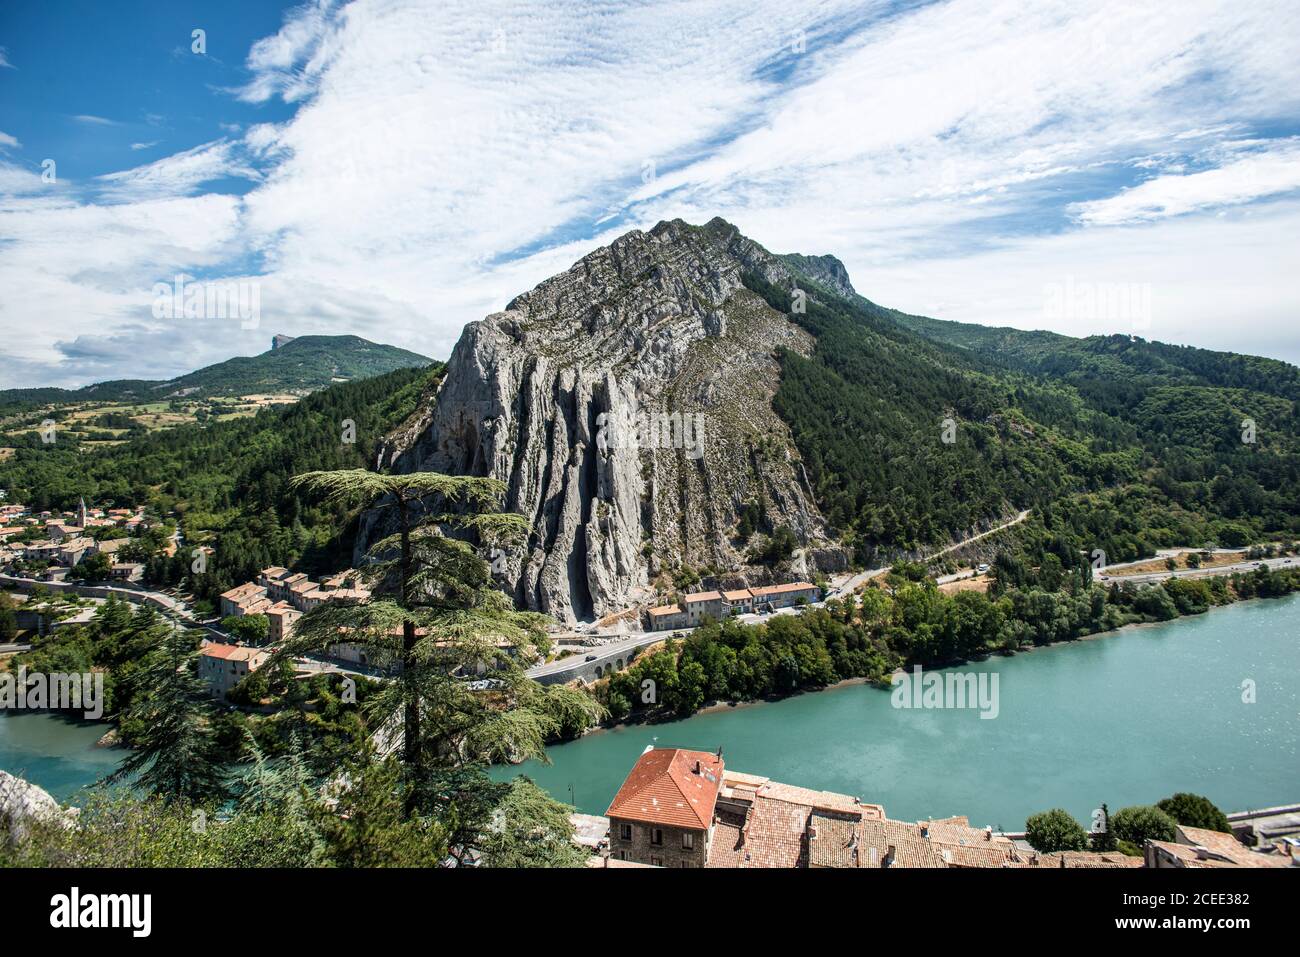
(23, 805)
(626, 403)
(826, 270)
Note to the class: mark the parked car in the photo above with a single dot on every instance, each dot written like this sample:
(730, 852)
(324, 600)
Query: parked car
(982, 567)
(590, 658)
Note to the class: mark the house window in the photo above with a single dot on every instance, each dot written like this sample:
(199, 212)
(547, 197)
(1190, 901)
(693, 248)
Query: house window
(688, 864)
(625, 832)
(656, 862)
(656, 836)
(688, 841)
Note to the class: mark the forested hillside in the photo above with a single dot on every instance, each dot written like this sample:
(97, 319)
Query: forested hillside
(1118, 444)
(228, 482)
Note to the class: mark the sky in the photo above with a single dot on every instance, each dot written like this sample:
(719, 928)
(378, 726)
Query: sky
(396, 168)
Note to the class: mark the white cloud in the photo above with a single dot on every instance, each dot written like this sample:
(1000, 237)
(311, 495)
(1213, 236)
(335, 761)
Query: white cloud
(144, 146)
(94, 120)
(8, 142)
(1267, 173)
(4, 60)
(177, 175)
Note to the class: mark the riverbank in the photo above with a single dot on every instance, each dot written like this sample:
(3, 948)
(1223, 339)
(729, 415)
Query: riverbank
(1155, 604)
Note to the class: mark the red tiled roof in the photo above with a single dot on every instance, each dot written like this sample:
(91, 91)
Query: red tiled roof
(740, 595)
(782, 589)
(704, 596)
(664, 788)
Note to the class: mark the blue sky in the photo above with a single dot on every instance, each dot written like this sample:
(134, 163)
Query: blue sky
(397, 168)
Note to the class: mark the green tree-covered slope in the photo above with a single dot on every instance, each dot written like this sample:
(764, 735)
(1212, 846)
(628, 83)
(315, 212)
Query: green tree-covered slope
(302, 365)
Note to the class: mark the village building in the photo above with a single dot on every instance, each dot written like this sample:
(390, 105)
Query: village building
(703, 605)
(738, 602)
(59, 531)
(109, 547)
(772, 597)
(72, 550)
(224, 666)
(239, 599)
(666, 617)
(281, 618)
(1197, 847)
(43, 551)
(663, 813)
(127, 572)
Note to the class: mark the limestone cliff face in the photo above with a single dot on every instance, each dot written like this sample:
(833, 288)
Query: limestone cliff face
(627, 405)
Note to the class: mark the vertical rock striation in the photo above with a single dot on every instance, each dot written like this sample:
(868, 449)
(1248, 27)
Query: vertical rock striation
(655, 329)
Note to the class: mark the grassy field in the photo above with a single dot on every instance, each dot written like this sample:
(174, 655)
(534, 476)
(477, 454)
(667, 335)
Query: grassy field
(84, 419)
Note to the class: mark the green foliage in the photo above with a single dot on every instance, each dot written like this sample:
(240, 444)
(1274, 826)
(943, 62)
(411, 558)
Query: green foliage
(870, 635)
(8, 620)
(176, 756)
(250, 629)
(1141, 442)
(1055, 830)
(1194, 810)
(1104, 839)
(1141, 823)
(529, 829)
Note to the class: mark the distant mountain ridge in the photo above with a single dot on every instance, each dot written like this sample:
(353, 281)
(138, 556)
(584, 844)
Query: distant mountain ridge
(293, 365)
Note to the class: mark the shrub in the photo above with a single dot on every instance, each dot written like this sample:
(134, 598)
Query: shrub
(1055, 830)
(1142, 823)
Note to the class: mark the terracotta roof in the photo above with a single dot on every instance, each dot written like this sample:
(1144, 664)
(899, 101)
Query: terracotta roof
(910, 848)
(704, 596)
(666, 610)
(728, 840)
(821, 800)
(833, 841)
(664, 787)
(1227, 846)
(776, 834)
(240, 592)
(782, 589)
(234, 653)
(739, 595)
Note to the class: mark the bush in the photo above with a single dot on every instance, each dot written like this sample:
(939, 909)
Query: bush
(1195, 811)
(1055, 830)
(1142, 823)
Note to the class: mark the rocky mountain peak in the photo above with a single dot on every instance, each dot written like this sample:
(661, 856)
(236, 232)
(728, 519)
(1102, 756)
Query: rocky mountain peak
(626, 402)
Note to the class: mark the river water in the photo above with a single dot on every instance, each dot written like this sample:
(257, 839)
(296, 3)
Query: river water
(1124, 718)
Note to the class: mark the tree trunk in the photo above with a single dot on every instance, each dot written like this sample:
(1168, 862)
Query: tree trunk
(411, 713)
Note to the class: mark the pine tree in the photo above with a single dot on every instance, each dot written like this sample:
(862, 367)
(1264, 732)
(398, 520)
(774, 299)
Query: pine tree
(437, 622)
(175, 756)
(1103, 839)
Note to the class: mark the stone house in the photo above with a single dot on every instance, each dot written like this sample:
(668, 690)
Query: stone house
(701, 605)
(663, 813)
(224, 666)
